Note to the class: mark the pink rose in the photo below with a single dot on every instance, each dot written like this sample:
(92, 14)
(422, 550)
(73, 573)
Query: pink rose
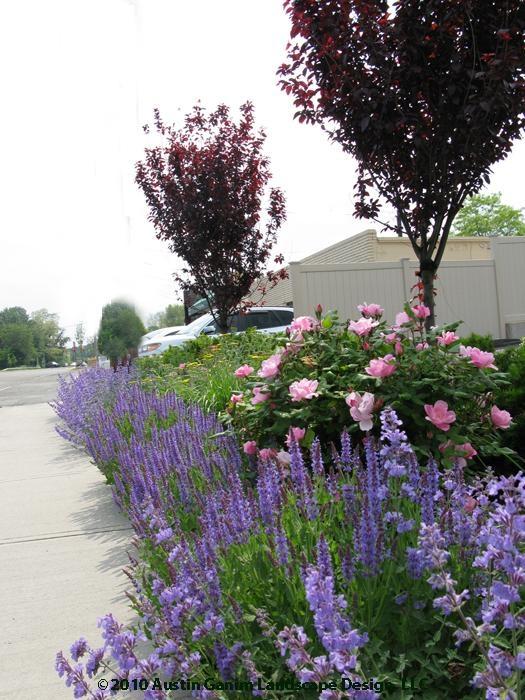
(466, 450)
(422, 346)
(250, 447)
(302, 323)
(270, 367)
(439, 415)
(260, 395)
(447, 338)
(182, 365)
(478, 357)
(363, 326)
(421, 311)
(370, 309)
(303, 389)
(267, 453)
(402, 319)
(500, 419)
(296, 434)
(236, 398)
(381, 367)
(361, 408)
(391, 338)
(243, 371)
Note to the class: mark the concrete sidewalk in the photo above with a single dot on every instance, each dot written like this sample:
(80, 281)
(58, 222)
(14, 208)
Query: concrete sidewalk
(62, 548)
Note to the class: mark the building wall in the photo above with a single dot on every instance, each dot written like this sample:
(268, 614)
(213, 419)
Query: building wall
(358, 248)
(456, 249)
(280, 295)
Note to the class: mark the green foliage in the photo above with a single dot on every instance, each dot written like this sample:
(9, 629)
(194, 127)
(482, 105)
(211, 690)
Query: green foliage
(202, 370)
(27, 339)
(120, 330)
(47, 334)
(13, 314)
(173, 315)
(511, 397)
(337, 359)
(486, 215)
(483, 342)
(16, 344)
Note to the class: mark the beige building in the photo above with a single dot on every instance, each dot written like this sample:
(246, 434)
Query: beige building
(368, 247)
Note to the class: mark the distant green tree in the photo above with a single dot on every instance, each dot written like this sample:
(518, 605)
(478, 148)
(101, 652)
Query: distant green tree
(120, 331)
(79, 338)
(13, 314)
(48, 337)
(173, 315)
(486, 215)
(16, 345)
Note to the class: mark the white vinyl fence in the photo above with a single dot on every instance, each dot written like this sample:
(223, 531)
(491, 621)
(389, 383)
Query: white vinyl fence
(487, 295)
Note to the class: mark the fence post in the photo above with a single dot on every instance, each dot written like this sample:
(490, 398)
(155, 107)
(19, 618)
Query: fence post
(405, 271)
(298, 299)
(495, 258)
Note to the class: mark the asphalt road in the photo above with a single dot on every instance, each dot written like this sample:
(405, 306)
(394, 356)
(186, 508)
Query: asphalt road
(29, 386)
(62, 541)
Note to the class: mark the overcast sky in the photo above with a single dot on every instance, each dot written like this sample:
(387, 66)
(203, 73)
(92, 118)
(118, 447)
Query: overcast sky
(79, 80)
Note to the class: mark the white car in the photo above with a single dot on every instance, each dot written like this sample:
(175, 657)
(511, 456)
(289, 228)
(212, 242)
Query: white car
(159, 333)
(267, 319)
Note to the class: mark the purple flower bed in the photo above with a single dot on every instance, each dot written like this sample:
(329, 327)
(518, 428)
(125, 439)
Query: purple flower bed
(323, 569)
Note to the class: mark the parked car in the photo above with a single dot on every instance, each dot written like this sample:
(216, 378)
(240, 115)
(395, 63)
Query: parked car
(160, 333)
(169, 330)
(267, 319)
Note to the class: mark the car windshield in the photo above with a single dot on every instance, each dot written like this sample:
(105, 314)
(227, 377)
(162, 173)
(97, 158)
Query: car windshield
(196, 325)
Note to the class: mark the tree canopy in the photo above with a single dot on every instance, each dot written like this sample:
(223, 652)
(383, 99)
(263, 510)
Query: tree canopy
(27, 339)
(173, 315)
(120, 330)
(486, 215)
(426, 96)
(207, 188)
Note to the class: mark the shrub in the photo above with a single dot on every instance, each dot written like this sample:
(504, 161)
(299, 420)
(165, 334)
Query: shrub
(332, 376)
(512, 395)
(320, 571)
(483, 342)
(202, 370)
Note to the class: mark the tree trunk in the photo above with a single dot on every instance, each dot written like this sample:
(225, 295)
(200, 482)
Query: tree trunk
(222, 323)
(427, 271)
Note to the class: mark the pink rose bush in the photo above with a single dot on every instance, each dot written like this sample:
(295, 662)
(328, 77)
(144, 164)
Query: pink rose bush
(250, 447)
(270, 367)
(421, 311)
(260, 395)
(371, 310)
(244, 371)
(296, 434)
(478, 357)
(381, 367)
(402, 319)
(304, 389)
(302, 323)
(439, 415)
(362, 326)
(361, 408)
(339, 375)
(500, 419)
(446, 338)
